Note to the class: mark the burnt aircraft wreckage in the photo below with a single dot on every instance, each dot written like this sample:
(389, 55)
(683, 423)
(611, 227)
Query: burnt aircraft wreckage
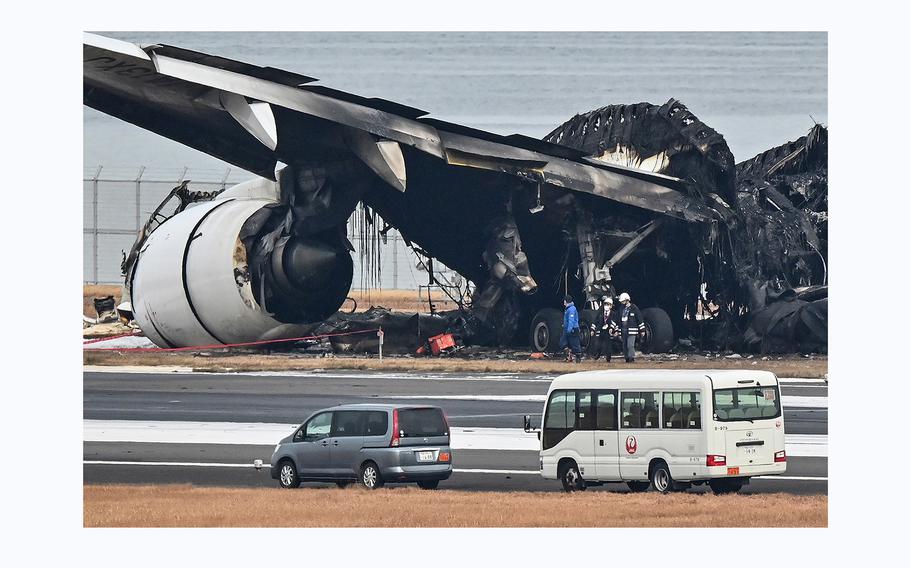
(640, 197)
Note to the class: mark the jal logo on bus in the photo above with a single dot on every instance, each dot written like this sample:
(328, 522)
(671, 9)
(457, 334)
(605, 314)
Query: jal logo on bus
(631, 445)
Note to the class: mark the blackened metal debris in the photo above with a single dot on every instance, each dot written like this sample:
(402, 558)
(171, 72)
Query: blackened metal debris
(641, 198)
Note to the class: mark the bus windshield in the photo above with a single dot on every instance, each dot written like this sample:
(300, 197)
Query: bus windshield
(746, 403)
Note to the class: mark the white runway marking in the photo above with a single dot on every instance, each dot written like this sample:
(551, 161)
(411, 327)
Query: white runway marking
(171, 464)
(268, 434)
(501, 377)
(804, 401)
(792, 380)
(456, 470)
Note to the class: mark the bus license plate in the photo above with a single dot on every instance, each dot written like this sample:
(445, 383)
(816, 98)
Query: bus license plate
(425, 456)
(732, 471)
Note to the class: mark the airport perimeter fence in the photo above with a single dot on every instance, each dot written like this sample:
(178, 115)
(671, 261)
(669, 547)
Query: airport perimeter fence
(118, 201)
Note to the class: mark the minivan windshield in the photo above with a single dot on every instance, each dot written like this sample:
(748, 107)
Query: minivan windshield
(422, 422)
(746, 403)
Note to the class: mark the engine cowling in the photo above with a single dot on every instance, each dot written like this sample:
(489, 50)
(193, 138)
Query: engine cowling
(192, 283)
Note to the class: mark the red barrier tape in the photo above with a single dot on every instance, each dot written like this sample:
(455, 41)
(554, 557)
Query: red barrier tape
(226, 345)
(97, 339)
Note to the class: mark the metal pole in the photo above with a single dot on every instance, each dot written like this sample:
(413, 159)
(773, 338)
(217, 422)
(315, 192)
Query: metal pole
(395, 242)
(138, 195)
(380, 334)
(95, 224)
(224, 179)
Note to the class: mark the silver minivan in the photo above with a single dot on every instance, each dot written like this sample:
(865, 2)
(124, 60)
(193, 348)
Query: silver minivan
(368, 443)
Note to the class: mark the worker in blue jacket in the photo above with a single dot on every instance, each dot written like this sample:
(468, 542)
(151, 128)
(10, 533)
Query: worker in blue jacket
(570, 340)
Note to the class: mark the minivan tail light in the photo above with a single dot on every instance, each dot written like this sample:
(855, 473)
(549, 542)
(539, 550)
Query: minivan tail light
(780, 456)
(396, 433)
(716, 460)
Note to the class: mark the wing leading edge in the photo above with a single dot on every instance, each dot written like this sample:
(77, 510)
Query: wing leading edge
(225, 108)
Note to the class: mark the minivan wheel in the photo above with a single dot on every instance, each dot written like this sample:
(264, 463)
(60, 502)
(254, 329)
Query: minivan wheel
(370, 476)
(638, 486)
(287, 475)
(571, 478)
(428, 484)
(660, 478)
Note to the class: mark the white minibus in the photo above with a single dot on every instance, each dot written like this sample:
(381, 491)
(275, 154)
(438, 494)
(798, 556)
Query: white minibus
(664, 429)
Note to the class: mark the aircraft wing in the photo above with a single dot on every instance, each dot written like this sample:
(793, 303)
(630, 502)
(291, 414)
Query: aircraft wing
(252, 117)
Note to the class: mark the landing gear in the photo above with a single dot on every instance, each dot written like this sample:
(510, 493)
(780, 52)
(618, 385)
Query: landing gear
(545, 330)
(658, 331)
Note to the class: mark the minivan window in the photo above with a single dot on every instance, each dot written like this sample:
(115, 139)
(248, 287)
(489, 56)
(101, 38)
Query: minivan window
(422, 422)
(318, 427)
(377, 423)
(681, 410)
(639, 410)
(348, 423)
(746, 403)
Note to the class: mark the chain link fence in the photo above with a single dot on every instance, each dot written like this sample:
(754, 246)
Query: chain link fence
(118, 201)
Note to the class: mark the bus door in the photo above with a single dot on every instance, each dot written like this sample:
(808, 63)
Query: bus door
(569, 427)
(606, 436)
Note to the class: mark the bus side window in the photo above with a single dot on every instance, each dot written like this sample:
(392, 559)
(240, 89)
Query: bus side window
(682, 410)
(585, 411)
(670, 410)
(631, 410)
(606, 411)
(639, 410)
(693, 416)
(649, 416)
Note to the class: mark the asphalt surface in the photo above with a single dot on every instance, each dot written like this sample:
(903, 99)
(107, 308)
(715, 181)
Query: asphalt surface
(290, 398)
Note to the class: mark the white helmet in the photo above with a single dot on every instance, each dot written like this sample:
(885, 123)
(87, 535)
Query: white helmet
(608, 300)
(624, 297)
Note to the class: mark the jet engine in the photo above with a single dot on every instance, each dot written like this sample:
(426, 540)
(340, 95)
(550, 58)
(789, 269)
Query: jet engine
(234, 270)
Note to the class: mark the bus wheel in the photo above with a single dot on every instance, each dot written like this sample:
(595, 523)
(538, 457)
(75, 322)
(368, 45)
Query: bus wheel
(571, 478)
(724, 486)
(638, 486)
(660, 478)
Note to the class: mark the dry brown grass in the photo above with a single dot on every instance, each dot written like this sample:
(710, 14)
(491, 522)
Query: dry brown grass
(188, 506)
(790, 367)
(404, 300)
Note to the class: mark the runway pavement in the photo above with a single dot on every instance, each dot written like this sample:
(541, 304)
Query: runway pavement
(206, 429)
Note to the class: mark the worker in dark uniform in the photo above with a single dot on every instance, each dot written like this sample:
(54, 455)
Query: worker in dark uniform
(631, 326)
(570, 340)
(603, 330)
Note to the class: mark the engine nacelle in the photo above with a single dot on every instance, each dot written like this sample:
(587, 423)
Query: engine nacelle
(192, 282)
